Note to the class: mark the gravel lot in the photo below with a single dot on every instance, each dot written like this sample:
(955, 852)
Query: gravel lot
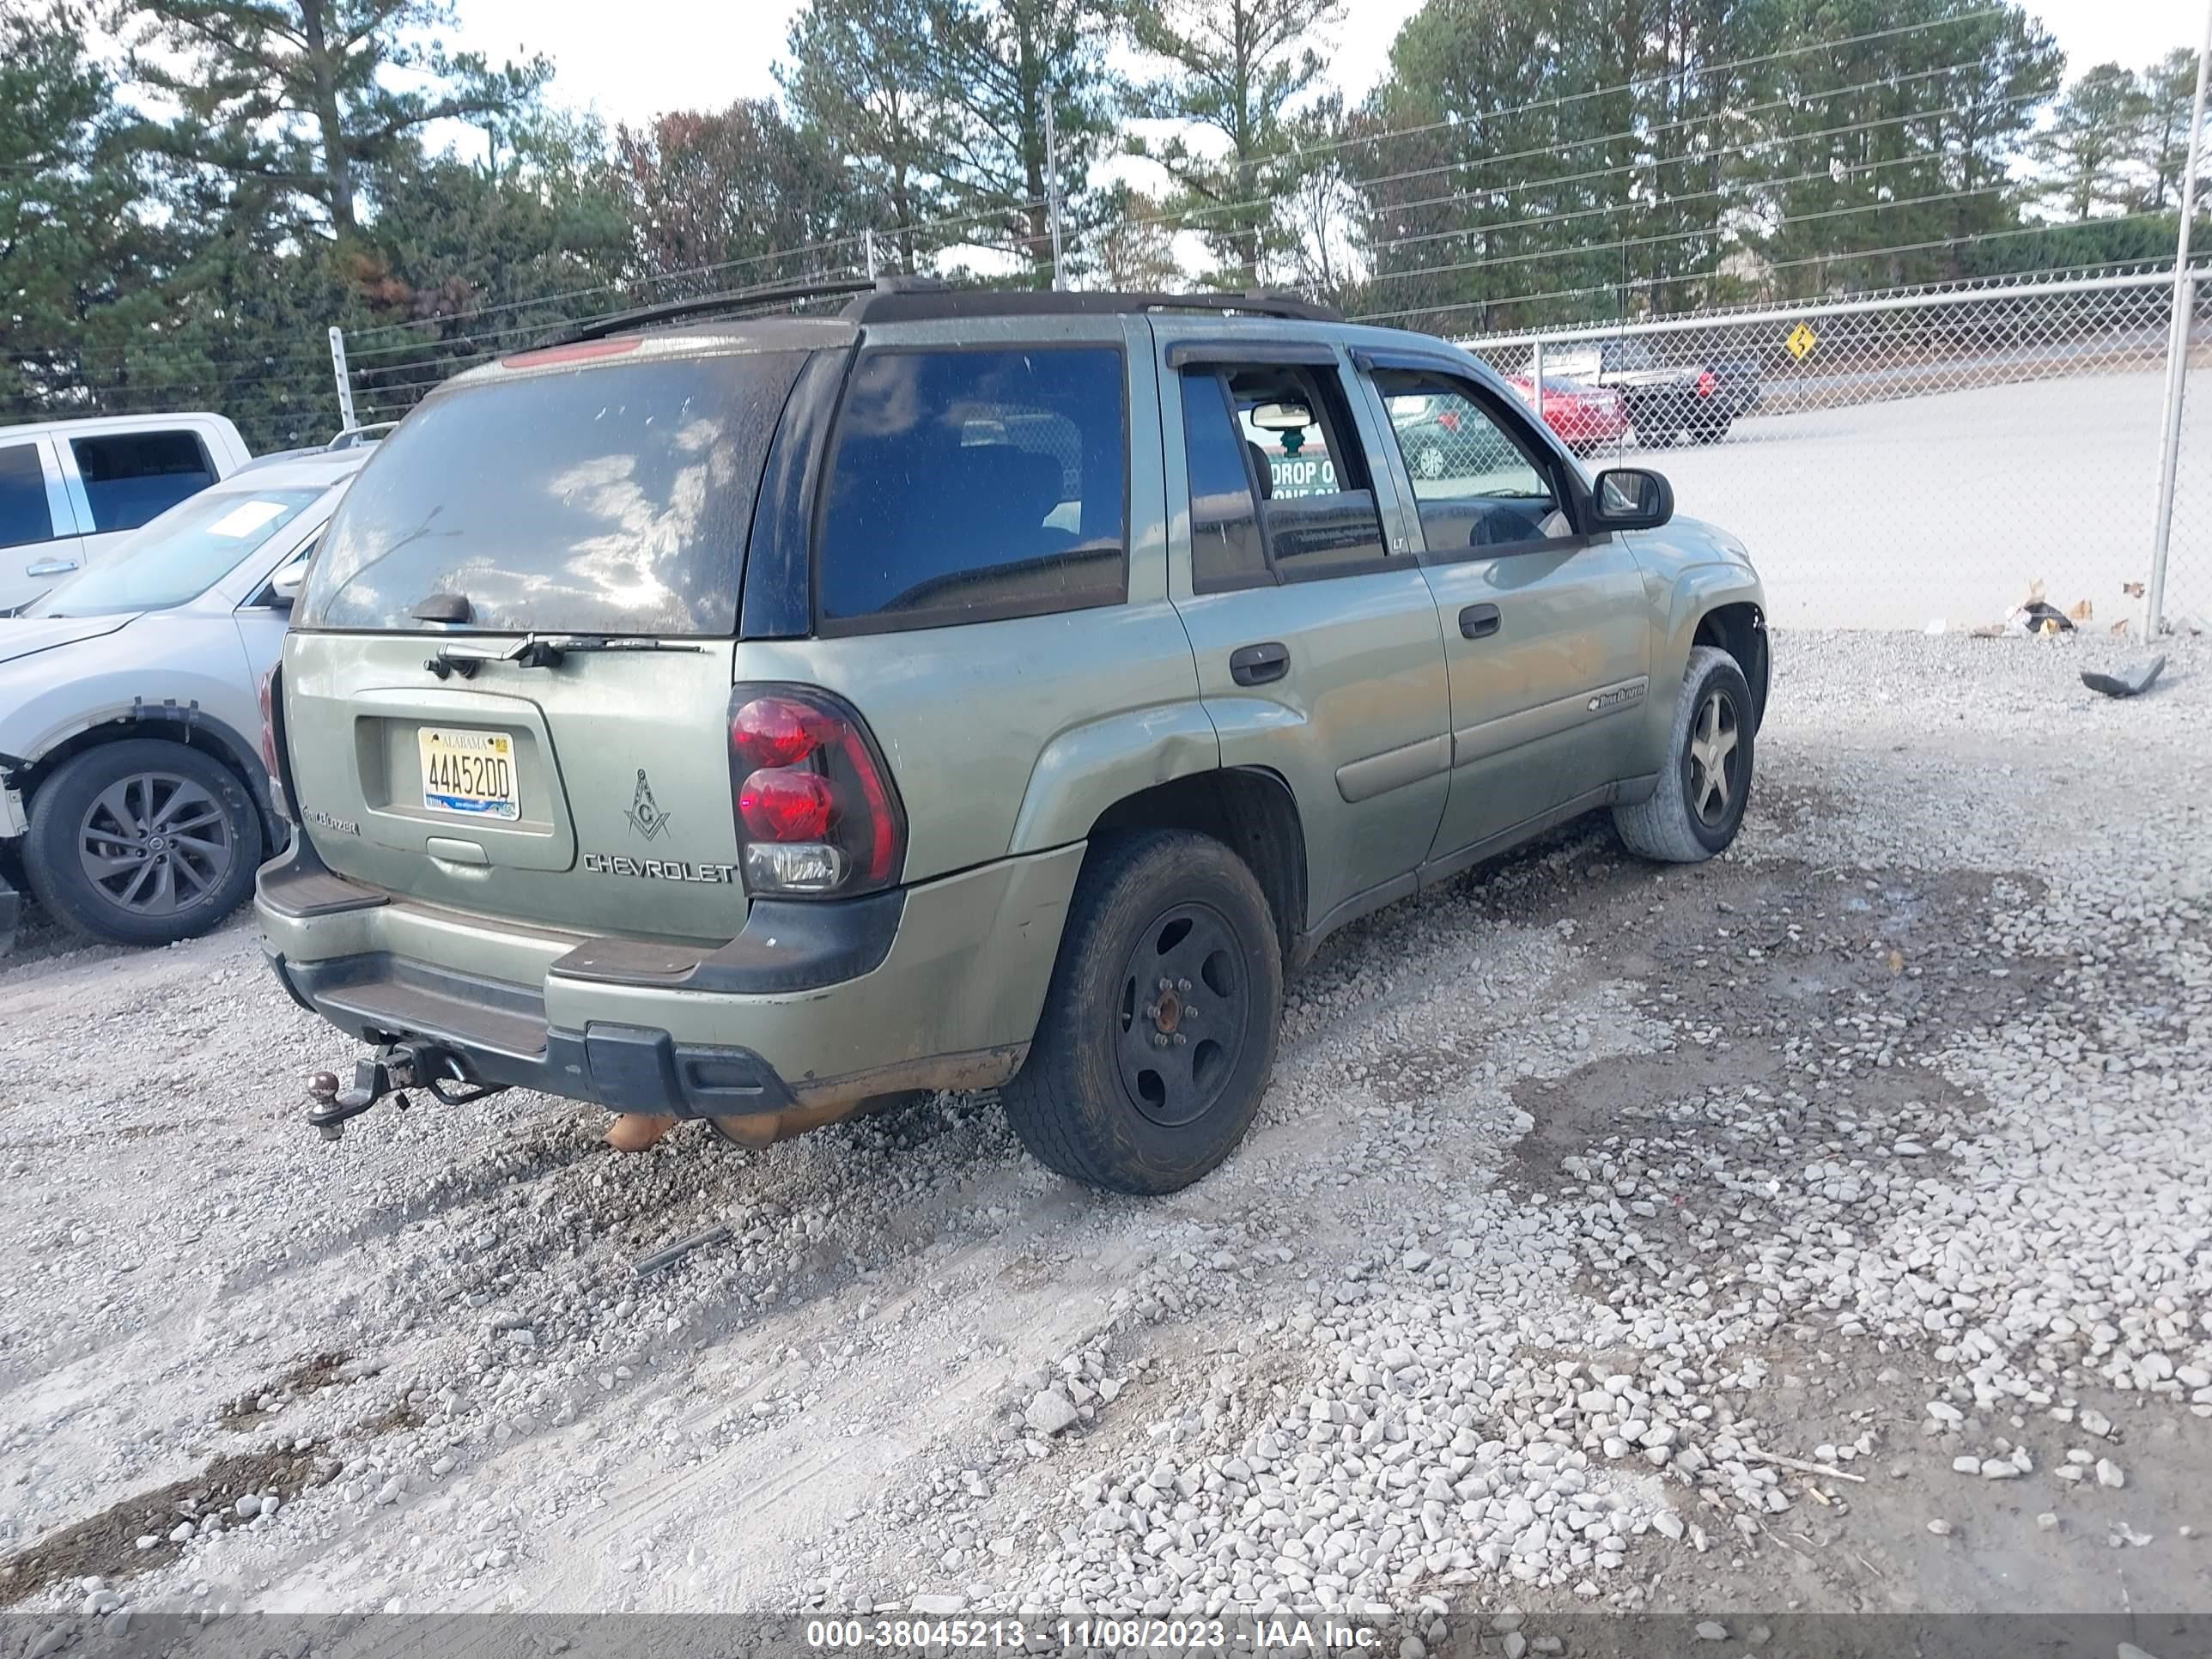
(1825, 1228)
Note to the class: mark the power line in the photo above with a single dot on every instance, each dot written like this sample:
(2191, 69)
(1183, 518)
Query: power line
(1689, 158)
(510, 330)
(1641, 134)
(853, 241)
(1653, 206)
(1365, 138)
(1672, 236)
(1457, 197)
(430, 349)
(1384, 211)
(1657, 80)
(1837, 258)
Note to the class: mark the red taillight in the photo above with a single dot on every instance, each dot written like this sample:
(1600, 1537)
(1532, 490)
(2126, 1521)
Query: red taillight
(1705, 384)
(815, 807)
(1448, 419)
(776, 731)
(782, 803)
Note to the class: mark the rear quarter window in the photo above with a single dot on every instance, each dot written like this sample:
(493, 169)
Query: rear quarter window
(971, 485)
(133, 477)
(616, 499)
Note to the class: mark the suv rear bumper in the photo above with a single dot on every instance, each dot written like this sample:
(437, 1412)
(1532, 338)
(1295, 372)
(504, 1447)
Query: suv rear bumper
(813, 1008)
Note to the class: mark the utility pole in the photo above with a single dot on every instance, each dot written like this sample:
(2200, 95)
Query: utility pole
(345, 382)
(1051, 185)
(2177, 351)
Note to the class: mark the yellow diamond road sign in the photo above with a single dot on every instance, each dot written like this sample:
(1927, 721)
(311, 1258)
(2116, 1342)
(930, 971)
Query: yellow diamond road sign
(1801, 340)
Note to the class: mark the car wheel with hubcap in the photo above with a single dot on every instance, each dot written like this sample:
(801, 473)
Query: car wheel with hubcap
(1158, 1029)
(141, 842)
(1698, 804)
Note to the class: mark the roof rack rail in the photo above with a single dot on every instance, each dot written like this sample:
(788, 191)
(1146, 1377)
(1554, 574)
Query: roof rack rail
(353, 437)
(671, 311)
(909, 299)
(917, 299)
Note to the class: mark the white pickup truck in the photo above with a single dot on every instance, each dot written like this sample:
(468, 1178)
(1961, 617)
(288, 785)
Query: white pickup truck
(70, 490)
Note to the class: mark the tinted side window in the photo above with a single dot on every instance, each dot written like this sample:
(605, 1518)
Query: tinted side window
(1225, 549)
(131, 476)
(24, 515)
(969, 485)
(1473, 482)
(1320, 513)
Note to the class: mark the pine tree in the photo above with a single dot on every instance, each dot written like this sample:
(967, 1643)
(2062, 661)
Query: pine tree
(313, 95)
(2086, 151)
(1232, 74)
(2169, 88)
(999, 65)
(862, 75)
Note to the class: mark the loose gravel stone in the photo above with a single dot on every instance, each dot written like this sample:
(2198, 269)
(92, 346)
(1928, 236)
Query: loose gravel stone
(1583, 1188)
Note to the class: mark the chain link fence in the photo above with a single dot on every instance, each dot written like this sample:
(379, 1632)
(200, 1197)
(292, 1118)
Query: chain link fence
(1912, 457)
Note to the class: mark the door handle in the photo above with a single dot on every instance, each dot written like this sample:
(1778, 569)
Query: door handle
(50, 568)
(1479, 622)
(1256, 664)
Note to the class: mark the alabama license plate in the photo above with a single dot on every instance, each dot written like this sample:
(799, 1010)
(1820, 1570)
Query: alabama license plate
(469, 773)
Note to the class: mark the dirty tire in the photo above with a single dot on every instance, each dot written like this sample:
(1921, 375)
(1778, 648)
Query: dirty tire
(1097, 1100)
(1687, 819)
(216, 855)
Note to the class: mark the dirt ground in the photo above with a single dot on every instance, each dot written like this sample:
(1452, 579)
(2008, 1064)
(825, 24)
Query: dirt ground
(1900, 1105)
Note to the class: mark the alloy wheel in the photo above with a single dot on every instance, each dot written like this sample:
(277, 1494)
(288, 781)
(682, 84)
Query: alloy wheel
(154, 843)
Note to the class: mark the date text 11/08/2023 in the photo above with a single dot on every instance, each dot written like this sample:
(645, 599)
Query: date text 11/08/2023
(1255, 1634)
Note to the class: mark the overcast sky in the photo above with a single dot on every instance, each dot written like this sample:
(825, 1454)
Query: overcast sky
(636, 59)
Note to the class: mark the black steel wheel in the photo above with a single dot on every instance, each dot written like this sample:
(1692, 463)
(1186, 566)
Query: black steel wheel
(1158, 1029)
(1183, 1015)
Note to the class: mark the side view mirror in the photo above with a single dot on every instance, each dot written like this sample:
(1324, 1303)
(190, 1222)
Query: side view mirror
(1633, 498)
(284, 586)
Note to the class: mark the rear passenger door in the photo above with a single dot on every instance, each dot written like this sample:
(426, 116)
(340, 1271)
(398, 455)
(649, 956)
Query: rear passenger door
(38, 542)
(1318, 651)
(1546, 630)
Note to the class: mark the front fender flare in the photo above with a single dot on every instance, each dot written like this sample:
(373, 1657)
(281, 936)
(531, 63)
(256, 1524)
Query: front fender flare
(1696, 590)
(168, 718)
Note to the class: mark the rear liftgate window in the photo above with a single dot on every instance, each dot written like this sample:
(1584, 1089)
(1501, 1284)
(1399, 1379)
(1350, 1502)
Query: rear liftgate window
(969, 486)
(611, 498)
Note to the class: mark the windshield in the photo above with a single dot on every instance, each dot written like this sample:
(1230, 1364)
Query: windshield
(612, 500)
(180, 555)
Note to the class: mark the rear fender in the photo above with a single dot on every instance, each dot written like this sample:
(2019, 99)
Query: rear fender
(1087, 768)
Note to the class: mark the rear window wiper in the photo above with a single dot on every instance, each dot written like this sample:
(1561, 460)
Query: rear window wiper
(464, 658)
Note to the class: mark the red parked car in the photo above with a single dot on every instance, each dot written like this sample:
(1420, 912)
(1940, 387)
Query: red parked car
(1585, 418)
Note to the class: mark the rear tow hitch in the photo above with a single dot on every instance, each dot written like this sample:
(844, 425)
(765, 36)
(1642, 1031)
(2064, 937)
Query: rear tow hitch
(391, 1070)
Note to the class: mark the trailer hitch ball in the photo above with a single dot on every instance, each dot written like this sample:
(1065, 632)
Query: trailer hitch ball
(374, 1077)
